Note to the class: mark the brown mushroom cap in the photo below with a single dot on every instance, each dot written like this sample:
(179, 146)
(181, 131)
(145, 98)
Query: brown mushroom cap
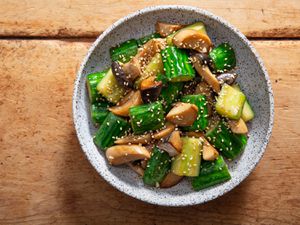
(183, 114)
(134, 139)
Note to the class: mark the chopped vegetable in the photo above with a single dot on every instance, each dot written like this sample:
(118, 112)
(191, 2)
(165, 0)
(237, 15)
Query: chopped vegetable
(165, 29)
(147, 38)
(134, 139)
(175, 140)
(125, 51)
(92, 80)
(170, 94)
(228, 78)
(223, 58)
(230, 102)
(111, 128)
(238, 126)
(167, 147)
(136, 168)
(99, 112)
(158, 167)
(120, 154)
(170, 180)
(109, 88)
(165, 132)
(150, 89)
(183, 114)
(177, 65)
(229, 144)
(124, 80)
(202, 116)
(187, 163)
(147, 117)
(211, 173)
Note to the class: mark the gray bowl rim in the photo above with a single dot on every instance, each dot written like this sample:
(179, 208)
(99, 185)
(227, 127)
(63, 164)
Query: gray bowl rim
(224, 23)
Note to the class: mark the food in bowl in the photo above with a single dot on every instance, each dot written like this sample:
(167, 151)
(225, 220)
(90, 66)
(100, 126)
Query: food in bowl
(169, 107)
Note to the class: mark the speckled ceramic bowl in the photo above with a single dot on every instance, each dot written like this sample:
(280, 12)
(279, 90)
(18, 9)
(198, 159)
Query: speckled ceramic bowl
(253, 80)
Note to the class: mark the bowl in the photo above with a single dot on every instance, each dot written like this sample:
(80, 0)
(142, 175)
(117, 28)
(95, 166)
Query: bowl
(253, 79)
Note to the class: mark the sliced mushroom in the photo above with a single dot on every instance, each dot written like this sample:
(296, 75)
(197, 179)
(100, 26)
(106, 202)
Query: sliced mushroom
(183, 114)
(123, 79)
(133, 98)
(144, 164)
(150, 89)
(133, 68)
(165, 29)
(168, 148)
(134, 139)
(170, 180)
(205, 72)
(136, 168)
(195, 134)
(175, 140)
(192, 39)
(209, 152)
(228, 78)
(238, 126)
(120, 154)
(165, 132)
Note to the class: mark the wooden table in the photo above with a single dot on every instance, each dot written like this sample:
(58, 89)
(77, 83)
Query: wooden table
(44, 176)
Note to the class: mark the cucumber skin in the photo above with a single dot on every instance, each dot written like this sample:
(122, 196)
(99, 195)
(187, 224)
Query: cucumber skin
(112, 127)
(177, 66)
(202, 119)
(92, 81)
(99, 112)
(127, 49)
(147, 38)
(170, 94)
(149, 116)
(221, 137)
(223, 58)
(211, 173)
(158, 167)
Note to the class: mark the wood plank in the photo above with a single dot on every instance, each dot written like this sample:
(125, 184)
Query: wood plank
(69, 18)
(45, 178)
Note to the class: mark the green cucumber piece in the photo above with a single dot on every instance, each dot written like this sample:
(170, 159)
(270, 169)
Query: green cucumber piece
(229, 144)
(99, 112)
(187, 163)
(199, 26)
(92, 80)
(223, 58)
(230, 102)
(170, 94)
(157, 168)
(202, 120)
(112, 127)
(211, 173)
(147, 38)
(148, 117)
(124, 51)
(177, 65)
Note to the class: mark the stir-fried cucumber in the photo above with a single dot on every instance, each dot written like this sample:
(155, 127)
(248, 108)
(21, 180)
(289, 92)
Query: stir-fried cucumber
(211, 173)
(199, 26)
(157, 168)
(99, 112)
(229, 144)
(147, 117)
(147, 38)
(202, 119)
(92, 80)
(177, 65)
(109, 88)
(223, 58)
(187, 163)
(170, 93)
(124, 51)
(230, 102)
(112, 127)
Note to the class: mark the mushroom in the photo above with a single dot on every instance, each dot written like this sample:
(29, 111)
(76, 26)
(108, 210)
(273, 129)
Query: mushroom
(175, 140)
(133, 98)
(183, 114)
(238, 126)
(165, 132)
(170, 180)
(192, 39)
(150, 89)
(228, 78)
(134, 139)
(136, 168)
(123, 79)
(120, 154)
(205, 72)
(133, 68)
(165, 29)
(167, 147)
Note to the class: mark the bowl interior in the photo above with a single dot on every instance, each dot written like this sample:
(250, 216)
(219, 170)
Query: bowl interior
(252, 79)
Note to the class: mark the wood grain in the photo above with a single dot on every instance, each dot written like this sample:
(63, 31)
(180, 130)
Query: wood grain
(45, 178)
(69, 18)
